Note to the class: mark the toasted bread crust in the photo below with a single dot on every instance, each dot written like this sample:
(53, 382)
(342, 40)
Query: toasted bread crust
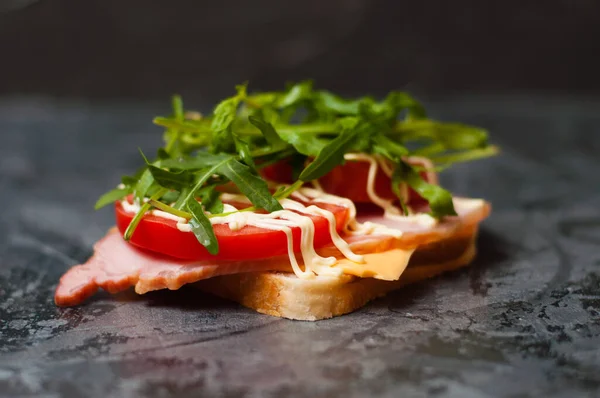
(284, 295)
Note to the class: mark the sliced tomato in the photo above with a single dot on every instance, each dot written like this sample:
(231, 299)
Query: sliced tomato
(279, 172)
(350, 181)
(160, 235)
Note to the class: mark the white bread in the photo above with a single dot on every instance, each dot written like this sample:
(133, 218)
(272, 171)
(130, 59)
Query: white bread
(285, 295)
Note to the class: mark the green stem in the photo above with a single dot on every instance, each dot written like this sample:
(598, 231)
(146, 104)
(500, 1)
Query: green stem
(467, 156)
(251, 208)
(177, 105)
(289, 190)
(138, 217)
(168, 209)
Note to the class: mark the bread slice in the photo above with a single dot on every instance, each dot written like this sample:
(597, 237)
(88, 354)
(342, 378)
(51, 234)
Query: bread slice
(285, 295)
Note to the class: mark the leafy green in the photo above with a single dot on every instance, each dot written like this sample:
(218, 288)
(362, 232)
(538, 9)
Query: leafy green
(330, 103)
(268, 131)
(143, 185)
(224, 115)
(254, 187)
(332, 154)
(171, 137)
(243, 150)
(170, 179)
(200, 161)
(295, 94)
(211, 200)
(201, 226)
(183, 196)
(170, 196)
(440, 200)
(382, 145)
(468, 156)
(308, 145)
(202, 178)
(111, 196)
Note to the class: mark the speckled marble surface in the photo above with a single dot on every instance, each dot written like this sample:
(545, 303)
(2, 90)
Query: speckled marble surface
(524, 321)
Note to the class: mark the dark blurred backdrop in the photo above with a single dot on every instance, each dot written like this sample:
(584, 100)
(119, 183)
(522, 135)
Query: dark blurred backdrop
(149, 49)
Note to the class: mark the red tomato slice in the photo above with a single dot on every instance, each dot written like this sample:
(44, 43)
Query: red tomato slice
(349, 181)
(161, 235)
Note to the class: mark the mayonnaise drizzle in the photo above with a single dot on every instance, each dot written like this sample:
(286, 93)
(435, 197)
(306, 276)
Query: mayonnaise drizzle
(389, 210)
(353, 227)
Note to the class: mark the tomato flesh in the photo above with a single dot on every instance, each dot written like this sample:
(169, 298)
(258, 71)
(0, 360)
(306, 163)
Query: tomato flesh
(161, 235)
(348, 181)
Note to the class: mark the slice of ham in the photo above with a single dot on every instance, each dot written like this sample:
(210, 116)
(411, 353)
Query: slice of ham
(116, 265)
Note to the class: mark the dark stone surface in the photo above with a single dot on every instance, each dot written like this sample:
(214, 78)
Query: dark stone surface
(522, 322)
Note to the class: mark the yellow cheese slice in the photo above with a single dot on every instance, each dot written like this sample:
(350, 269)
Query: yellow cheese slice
(387, 265)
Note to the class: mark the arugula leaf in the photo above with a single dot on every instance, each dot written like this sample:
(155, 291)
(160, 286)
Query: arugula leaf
(254, 187)
(327, 103)
(243, 149)
(440, 200)
(268, 131)
(390, 149)
(308, 145)
(466, 156)
(170, 196)
(400, 101)
(129, 180)
(295, 94)
(451, 136)
(202, 178)
(184, 195)
(224, 115)
(211, 200)
(177, 104)
(143, 185)
(162, 154)
(201, 227)
(333, 153)
(200, 161)
(171, 136)
(111, 197)
(169, 179)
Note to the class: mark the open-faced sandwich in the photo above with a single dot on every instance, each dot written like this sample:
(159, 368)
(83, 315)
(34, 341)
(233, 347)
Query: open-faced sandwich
(299, 204)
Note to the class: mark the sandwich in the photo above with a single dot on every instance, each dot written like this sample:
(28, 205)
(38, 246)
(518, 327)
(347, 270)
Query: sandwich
(297, 203)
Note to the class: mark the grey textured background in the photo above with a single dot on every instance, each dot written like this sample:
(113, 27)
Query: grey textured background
(522, 322)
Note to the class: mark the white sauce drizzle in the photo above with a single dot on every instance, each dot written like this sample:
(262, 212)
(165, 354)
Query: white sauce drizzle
(389, 210)
(353, 227)
(164, 214)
